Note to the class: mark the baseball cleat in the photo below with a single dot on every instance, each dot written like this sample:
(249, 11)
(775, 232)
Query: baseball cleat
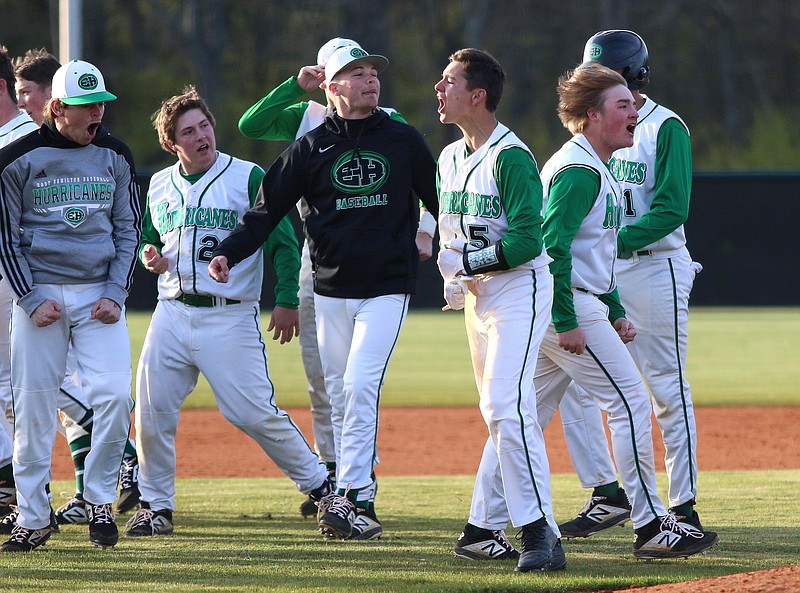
(484, 544)
(666, 537)
(338, 518)
(538, 545)
(147, 522)
(599, 513)
(308, 508)
(129, 495)
(8, 522)
(8, 494)
(73, 511)
(366, 526)
(26, 540)
(102, 529)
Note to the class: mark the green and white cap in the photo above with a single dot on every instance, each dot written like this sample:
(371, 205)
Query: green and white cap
(326, 51)
(347, 56)
(80, 83)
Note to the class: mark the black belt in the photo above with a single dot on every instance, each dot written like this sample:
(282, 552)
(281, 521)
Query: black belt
(204, 300)
(579, 289)
(628, 254)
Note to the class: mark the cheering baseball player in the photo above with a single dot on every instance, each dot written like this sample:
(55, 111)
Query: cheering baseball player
(34, 74)
(357, 176)
(495, 268)
(585, 342)
(655, 275)
(281, 116)
(69, 187)
(200, 326)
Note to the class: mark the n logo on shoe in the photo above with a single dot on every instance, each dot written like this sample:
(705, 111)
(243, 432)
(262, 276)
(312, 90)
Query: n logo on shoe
(598, 514)
(668, 539)
(493, 549)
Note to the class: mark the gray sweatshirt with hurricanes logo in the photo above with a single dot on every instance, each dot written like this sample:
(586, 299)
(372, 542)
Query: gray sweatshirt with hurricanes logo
(69, 214)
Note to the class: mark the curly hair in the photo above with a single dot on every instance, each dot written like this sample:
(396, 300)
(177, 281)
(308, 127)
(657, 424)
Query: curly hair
(165, 119)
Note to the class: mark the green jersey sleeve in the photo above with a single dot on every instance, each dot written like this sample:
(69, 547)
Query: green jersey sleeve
(573, 191)
(521, 193)
(276, 116)
(670, 206)
(150, 236)
(282, 249)
(615, 308)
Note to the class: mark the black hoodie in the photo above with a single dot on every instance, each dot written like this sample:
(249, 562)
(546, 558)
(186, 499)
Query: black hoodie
(359, 181)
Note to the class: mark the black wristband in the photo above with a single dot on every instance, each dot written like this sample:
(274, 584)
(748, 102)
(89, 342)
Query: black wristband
(488, 259)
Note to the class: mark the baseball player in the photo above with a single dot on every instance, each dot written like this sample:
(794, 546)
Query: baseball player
(199, 326)
(495, 268)
(357, 176)
(279, 116)
(70, 187)
(655, 275)
(71, 400)
(34, 73)
(13, 124)
(585, 342)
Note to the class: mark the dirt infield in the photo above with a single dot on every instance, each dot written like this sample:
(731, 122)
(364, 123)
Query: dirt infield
(414, 441)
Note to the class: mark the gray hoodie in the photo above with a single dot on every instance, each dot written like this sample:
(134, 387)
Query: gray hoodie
(69, 214)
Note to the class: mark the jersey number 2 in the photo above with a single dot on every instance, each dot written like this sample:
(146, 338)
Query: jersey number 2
(207, 246)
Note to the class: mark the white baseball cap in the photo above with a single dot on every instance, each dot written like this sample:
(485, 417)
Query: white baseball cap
(326, 51)
(346, 56)
(80, 83)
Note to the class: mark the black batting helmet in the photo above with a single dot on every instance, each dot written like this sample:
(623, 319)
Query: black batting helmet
(623, 51)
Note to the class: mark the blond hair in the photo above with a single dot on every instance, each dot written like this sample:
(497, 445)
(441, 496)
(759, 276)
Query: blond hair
(582, 89)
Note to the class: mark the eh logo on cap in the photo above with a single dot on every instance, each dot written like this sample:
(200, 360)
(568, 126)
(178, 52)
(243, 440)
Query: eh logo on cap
(594, 51)
(88, 82)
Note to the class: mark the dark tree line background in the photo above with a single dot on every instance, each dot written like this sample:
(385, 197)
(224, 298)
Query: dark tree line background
(730, 68)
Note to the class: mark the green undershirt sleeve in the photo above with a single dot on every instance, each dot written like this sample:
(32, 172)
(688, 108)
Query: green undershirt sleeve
(573, 191)
(521, 193)
(150, 236)
(276, 116)
(670, 207)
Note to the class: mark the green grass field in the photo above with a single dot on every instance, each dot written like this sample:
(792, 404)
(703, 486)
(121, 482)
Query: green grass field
(736, 357)
(246, 536)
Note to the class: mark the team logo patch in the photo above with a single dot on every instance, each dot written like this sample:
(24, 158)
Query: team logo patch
(74, 216)
(594, 51)
(361, 174)
(88, 82)
(357, 52)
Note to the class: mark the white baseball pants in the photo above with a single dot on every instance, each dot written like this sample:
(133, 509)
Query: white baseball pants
(655, 293)
(606, 371)
(506, 317)
(309, 352)
(356, 340)
(225, 344)
(38, 364)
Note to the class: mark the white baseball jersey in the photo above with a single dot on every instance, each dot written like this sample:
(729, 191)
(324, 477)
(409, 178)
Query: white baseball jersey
(470, 206)
(193, 219)
(594, 247)
(16, 127)
(635, 168)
